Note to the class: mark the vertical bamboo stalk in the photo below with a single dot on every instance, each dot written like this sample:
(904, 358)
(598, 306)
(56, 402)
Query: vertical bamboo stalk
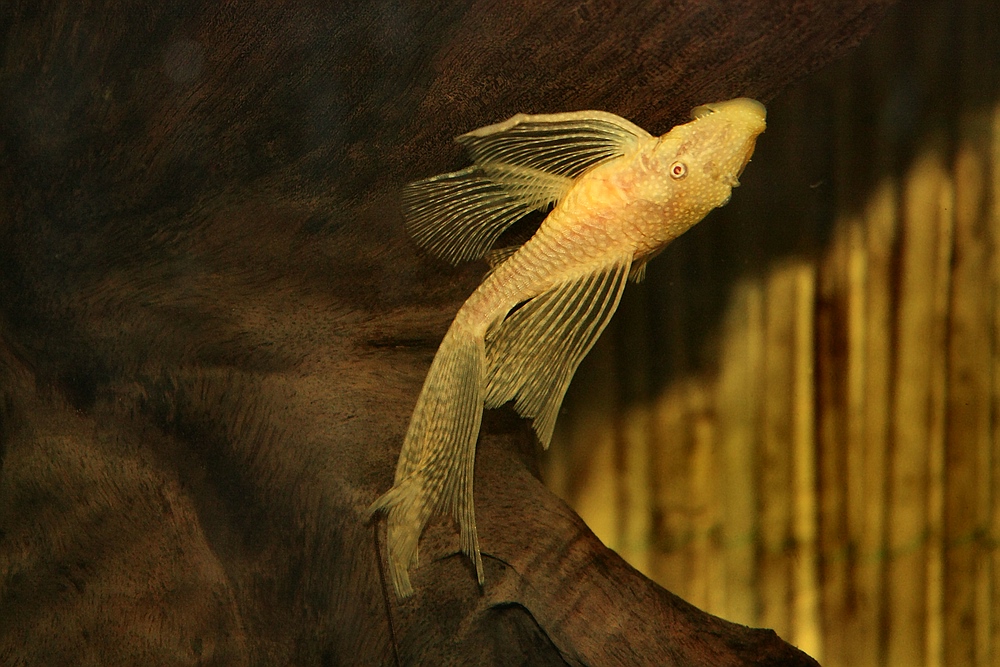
(738, 398)
(935, 638)
(908, 501)
(857, 642)
(635, 497)
(990, 595)
(703, 500)
(719, 554)
(671, 496)
(842, 613)
(968, 429)
(633, 358)
(834, 363)
(806, 625)
(592, 443)
(867, 492)
(670, 435)
(776, 501)
(968, 404)
(970, 484)
(872, 239)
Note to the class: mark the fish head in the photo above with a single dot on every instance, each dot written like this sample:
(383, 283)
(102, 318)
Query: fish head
(694, 167)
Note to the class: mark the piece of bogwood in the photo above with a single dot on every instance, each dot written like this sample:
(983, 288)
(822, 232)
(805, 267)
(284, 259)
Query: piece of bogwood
(214, 328)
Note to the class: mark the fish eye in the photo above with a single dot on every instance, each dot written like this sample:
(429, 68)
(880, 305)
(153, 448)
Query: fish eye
(678, 170)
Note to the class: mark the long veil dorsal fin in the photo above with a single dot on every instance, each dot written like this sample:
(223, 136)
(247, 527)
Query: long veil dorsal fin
(566, 144)
(523, 164)
(458, 216)
(532, 355)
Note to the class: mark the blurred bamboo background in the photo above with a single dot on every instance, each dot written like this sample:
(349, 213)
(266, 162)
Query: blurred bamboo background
(795, 421)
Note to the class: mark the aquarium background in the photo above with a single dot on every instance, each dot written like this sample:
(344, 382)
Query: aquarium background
(794, 422)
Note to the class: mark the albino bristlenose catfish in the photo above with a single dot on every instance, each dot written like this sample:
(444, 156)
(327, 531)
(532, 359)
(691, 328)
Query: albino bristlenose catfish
(618, 196)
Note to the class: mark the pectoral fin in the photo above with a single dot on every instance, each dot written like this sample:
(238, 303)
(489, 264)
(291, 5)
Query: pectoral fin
(638, 272)
(533, 354)
(458, 216)
(567, 144)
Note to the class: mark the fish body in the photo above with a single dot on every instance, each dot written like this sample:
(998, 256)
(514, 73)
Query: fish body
(618, 196)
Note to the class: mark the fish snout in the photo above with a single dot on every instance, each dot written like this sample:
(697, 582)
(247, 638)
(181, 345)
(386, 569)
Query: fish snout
(749, 111)
(745, 106)
(746, 120)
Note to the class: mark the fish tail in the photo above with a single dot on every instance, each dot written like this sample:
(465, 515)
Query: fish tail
(435, 468)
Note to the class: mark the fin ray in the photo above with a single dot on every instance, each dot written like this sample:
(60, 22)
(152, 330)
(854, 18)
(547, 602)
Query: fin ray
(638, 272)
(533, 355)
(458, 216)
(567, 144)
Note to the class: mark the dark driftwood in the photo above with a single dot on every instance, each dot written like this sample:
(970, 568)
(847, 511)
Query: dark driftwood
(213, 328)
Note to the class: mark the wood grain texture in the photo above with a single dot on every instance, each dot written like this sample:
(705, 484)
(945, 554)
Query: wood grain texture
(213, 329)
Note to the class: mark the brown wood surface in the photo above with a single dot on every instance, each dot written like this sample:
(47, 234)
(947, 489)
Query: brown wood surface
(213, 327)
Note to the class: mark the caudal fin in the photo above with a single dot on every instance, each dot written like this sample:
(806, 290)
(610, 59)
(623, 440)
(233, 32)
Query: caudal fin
(435, 469)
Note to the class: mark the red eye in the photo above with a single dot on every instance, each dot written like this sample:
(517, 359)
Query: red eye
(678, 170)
